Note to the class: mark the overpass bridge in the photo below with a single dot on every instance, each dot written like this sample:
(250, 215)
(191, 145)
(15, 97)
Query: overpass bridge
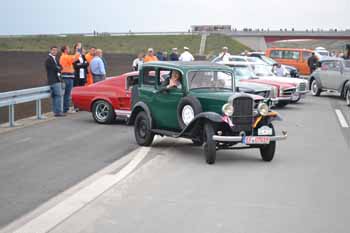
(258, 39)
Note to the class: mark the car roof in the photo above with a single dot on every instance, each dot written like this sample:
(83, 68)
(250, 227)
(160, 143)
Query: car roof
(293, 49)
(186, 65)
(325, 58)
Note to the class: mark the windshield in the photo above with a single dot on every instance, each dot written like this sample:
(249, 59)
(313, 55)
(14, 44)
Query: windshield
(210, 80)
(323, 53)
(243, 72)
(255, 60)
(268, 60)
(262, 70)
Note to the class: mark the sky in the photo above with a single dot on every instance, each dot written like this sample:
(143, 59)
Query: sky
(67, 16)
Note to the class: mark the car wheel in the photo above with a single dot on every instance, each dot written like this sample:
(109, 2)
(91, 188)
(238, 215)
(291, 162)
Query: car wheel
(268, 151)
(347, 97)
(187, 109)
(315, 90)
(103, 112)
(142, 130)
(209, 144)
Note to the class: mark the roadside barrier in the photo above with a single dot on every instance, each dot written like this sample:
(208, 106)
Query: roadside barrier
(11, 98)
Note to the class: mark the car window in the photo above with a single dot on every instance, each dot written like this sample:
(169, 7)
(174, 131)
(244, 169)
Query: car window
(131, 81)
(243, 72)
(168, 78)
(237, 59)
(334, 66)
(294, 55)
(325, 66)
(148, 76)
(276, 54)
(306, 55)
(210, 79)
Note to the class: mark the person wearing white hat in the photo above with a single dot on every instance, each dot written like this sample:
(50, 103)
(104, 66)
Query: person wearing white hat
(186, 55)
(224, 55)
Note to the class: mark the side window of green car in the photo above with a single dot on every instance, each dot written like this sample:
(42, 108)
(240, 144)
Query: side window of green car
(169, 78)
(148, 75)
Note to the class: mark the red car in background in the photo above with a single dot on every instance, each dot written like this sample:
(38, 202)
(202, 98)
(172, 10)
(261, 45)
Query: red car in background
(107, 100)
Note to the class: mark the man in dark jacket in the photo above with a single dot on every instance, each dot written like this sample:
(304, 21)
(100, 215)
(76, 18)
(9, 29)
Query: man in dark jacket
(174, 56)
(312, 62)
(53, 70)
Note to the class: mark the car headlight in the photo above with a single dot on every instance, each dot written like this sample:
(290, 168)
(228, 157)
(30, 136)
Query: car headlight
(263, 109)
(228, 109)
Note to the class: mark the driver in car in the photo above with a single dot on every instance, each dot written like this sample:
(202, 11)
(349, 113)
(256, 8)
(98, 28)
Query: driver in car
(175, 80)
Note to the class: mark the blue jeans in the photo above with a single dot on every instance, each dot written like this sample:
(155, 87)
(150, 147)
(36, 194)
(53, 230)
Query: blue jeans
(56, 94)
(68, 89)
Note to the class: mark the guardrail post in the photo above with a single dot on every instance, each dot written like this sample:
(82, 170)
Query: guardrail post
(39, 115)
(12, 115)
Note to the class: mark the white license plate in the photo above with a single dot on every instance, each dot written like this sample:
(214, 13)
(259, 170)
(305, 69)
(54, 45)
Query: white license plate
(265, 130)
(251, 140)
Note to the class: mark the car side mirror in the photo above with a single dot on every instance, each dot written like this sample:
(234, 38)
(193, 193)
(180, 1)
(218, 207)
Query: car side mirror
(237, 89)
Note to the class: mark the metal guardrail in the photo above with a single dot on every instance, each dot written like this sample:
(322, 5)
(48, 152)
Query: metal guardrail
(11, 98)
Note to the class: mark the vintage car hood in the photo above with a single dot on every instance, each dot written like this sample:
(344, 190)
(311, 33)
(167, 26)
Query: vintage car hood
(213, 100)
(271, 82)
(253, 87)
(283, 79)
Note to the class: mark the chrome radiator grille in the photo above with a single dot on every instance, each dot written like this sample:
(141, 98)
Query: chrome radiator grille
(243, 114)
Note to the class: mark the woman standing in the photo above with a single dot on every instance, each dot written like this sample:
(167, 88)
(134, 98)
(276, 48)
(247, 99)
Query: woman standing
(80, 66)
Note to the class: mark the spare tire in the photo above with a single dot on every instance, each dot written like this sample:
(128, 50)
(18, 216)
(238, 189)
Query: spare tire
(187, 109)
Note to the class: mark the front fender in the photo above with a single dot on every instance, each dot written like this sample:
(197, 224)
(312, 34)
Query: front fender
(140, 106)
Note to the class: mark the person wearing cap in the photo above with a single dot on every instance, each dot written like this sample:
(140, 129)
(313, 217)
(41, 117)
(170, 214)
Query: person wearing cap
(174, 56)
(224, 55)
(186, 55)
(150, 56)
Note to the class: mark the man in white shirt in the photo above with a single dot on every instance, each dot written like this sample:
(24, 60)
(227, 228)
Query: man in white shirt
(225, 55)
(186, 55)
(137, 63)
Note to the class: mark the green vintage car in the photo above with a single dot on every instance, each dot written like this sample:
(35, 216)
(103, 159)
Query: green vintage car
(198, 101)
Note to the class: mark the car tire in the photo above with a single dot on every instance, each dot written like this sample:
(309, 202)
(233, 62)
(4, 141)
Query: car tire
(187, 109)
(281, 104)
(142, 129)
(209, 146)
(315, 90)
(347, 97)
(267, 152)
(103, 112)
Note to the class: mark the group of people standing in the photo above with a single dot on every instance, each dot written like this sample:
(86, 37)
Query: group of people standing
(72, 69)
(151, 56)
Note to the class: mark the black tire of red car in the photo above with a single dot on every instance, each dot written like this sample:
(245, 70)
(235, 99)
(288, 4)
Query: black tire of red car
(347, 96)
(209, 144)
(315, 90)
(142, 130)
(268, 151)
(188, 101)
(103, 112)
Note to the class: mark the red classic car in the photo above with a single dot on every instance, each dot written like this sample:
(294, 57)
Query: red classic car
(285, 91)
(107, 100)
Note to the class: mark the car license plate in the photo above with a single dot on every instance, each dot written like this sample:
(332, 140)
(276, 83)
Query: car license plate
(265, 130)
(250, 140)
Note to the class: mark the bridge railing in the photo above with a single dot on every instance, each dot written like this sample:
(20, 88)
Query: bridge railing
(11, 98)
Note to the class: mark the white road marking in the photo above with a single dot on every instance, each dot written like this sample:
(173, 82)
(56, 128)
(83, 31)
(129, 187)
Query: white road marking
(56, 215)
(341, 118)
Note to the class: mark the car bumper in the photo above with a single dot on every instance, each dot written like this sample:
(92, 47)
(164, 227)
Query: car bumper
(240, 138)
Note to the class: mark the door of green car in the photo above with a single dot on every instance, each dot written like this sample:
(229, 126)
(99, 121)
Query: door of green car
(164, 105)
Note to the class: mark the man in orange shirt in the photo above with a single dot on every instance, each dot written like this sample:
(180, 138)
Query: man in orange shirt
(67, 74)
(89, 58)
(150, 56)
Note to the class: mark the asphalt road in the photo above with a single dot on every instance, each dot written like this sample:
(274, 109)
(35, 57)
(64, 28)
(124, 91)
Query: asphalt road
(305, 188)
(41, 161)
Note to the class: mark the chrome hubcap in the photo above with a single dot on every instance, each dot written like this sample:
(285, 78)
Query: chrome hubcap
(102, 111)
(187, 114)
